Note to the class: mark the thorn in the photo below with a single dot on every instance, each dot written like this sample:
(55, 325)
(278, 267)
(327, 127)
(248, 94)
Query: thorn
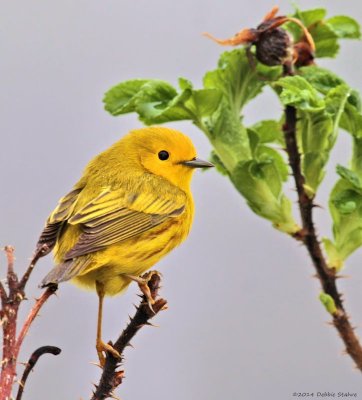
(150, 324)
(96, 364)
(113, 396)
(150, 307)
(24, 364)
(343, 276)
(141, 325)
(20, 383)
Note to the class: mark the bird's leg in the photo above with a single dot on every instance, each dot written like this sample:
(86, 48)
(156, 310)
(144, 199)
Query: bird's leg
(100, 345)
(142, 282)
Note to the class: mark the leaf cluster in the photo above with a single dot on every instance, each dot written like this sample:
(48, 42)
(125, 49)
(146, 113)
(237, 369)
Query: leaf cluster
(252, 157)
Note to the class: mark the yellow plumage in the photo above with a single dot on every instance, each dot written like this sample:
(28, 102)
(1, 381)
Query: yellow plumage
(127, 211)
(131, 207)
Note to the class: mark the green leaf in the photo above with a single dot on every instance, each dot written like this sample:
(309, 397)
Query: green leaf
(325, 33)
(158, 102)
(310, 17)
(319, 132)
(237, 80)
(320, 78)
(256, 170)
(318, 120)
(260, 182)
(328, 303)
(268, 131)
(345, 205)
(297, 92)
(356, 162)
(346, 201)
(351, 119)
(215, 159)
(203, 102)
(345, 27)
(227, 135)
(120, 99)
(238, 83)
(325, 40)
(334, 259)
(349, 176)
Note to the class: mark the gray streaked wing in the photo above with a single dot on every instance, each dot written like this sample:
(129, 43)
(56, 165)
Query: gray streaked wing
(98, 233)
(65, 271)
(56, 220)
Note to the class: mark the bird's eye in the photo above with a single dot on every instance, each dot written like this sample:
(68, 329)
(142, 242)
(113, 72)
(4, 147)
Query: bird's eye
(163, 155)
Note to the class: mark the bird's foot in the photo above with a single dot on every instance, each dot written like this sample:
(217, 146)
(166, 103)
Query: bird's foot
(142, 282)
(104, 348)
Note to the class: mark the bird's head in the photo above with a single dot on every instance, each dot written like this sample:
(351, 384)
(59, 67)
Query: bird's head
(166, 152)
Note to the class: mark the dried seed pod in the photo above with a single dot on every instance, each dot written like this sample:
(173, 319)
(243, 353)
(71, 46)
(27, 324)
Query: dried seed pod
(274, 47)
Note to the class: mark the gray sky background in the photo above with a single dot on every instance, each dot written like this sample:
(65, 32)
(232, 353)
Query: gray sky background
(244, 321)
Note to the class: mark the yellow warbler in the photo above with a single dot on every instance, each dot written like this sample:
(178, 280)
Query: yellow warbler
(132, 206)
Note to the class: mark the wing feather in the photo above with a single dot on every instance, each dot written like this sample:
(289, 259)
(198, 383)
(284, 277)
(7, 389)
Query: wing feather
(57, 218)
(114, 216)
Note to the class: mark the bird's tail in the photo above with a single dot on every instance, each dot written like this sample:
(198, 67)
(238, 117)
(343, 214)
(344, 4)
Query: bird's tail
(63, 272)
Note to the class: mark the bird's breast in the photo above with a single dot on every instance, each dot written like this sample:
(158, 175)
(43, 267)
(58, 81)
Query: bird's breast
(156, 243)
(138, 254)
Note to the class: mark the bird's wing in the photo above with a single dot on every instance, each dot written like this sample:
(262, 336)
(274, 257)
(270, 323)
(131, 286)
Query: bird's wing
(57, 218)
(117, 215)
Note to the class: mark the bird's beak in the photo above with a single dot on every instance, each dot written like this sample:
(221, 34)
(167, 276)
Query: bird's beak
(197, 163)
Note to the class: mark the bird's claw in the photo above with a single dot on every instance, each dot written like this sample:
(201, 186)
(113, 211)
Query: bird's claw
(104, 348)
(142, 282)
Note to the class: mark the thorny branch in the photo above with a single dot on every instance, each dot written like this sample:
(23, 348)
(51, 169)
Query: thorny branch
(274, 47)
(12, 340)
(11, 301)
(112, 377)
(40, 252)
(308, 236)
(33, 313)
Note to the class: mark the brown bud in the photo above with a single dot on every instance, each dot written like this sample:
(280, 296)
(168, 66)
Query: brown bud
(303, 54)
(274, 47)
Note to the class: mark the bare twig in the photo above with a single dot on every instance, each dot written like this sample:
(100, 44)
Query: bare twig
(9, 315)
(3, 295)
(31, 363)
(111, 377)
(308, 235)
(12, 278)
(40, 251)
(31, 316)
